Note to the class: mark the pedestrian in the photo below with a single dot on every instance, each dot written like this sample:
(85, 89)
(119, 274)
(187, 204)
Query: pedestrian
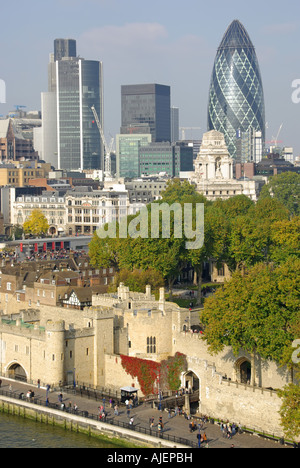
(0, 383)
(39, 383)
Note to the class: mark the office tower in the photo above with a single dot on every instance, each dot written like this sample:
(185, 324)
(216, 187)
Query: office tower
(71, 138)
(174, 124)
(236, 98)
(64, 48)
(168, 158)
(249, 146)
(147, 108)
(128, 154)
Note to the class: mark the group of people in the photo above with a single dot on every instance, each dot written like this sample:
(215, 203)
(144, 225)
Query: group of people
(229, 430)
(160, 425)
(102, 413)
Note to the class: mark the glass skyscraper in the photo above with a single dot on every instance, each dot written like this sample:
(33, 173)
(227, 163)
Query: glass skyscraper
(71, 138)
(236, 98)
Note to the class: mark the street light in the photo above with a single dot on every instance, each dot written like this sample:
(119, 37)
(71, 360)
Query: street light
(199, 436)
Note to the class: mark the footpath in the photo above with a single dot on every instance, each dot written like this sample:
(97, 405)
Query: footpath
(176, 425)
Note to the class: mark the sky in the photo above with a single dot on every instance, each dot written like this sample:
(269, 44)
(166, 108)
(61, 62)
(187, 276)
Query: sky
(168, 42)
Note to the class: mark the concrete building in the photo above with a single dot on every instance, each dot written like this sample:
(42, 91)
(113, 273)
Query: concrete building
(13, 145)
(51, 204)
(214, 171)
(19, 174)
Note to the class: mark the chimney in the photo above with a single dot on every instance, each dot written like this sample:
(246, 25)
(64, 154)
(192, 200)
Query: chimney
(80, 282)
(162, 300)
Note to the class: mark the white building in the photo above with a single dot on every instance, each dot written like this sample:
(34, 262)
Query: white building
(51, 204)
(214, 171)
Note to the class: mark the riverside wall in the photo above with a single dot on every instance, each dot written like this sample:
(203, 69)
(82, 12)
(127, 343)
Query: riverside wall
(80, 424)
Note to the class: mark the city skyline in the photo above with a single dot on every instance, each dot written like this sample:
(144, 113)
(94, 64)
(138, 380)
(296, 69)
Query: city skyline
(154, 45)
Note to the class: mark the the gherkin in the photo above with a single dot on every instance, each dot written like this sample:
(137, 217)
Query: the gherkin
(236, 97)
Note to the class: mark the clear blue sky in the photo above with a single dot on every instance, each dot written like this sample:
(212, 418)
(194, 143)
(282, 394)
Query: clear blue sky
(169, 42)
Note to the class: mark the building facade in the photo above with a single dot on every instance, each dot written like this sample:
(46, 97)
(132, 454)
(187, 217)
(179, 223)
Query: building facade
(236, 97)
(214, 169)
(13, 145)
(148, 106)
(71, 138)
(167, 158)
(51, 204)
(128, 154)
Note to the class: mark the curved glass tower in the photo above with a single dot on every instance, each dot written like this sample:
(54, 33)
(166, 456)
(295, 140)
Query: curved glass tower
(236, 98)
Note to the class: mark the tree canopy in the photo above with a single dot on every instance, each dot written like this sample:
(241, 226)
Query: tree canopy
(257, 312)
(36, 224)
(285, 188)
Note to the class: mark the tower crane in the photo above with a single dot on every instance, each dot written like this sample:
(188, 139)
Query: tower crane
(107, 150)
(276, 139)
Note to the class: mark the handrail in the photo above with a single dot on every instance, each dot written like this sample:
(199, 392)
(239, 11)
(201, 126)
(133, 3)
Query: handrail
(112, 422)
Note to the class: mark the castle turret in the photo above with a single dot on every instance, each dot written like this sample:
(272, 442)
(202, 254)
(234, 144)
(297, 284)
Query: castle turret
(54, 352)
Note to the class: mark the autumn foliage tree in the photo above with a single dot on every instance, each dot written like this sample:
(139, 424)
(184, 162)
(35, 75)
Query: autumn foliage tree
(36, 225)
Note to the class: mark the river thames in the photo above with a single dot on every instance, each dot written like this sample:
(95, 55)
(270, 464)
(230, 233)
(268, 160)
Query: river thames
(16, 432)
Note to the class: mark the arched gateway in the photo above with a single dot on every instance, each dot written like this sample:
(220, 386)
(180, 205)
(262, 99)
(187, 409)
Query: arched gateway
(17, 372)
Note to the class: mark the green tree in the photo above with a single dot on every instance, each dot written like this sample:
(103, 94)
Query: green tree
(250, 234)
(284, 187)
(168, 255)
(137, 280)
(290, 411)
(257, 312)
(285, 239)
(36, 224)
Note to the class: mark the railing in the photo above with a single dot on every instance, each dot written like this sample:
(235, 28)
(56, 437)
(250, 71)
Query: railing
(110, 421)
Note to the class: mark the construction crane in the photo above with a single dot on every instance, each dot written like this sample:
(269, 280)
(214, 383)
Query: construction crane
(183, 129)
(276, 139)
(107, 150)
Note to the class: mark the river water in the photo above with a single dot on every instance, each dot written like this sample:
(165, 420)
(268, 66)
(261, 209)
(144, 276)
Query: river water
(16, 432)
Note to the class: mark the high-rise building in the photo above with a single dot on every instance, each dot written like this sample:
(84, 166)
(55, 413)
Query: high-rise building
(128, 154)
(71, 138)
(167, 158)
(174, 124)
(64, 48)
(236, 98)
(147, 108)
(249, 146)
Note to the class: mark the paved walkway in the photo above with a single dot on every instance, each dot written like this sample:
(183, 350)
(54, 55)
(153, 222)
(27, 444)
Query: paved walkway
(177, 425)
